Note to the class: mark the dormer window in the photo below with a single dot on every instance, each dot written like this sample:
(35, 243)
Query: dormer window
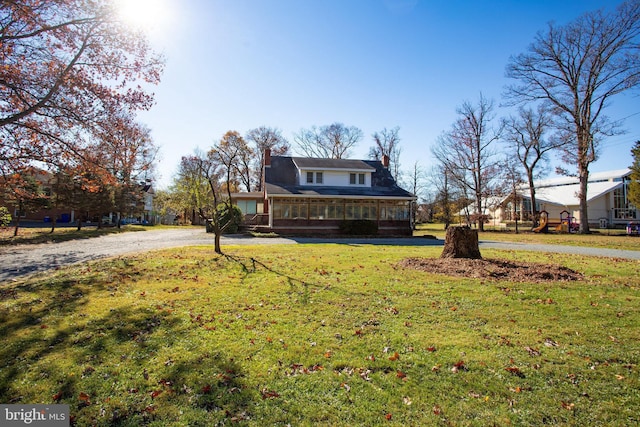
(314, 177)
(356, 179)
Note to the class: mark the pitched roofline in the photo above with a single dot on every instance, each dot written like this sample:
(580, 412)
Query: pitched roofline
(325, 196)
(354, 165)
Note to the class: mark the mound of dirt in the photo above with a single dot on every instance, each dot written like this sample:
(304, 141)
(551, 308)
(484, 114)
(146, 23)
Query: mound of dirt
(493, 269)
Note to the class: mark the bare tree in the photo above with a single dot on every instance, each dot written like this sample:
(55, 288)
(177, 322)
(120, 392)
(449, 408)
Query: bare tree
(334, 141)
(511, 181)
(262, 138)
(236, 156)
(467, 153)
(211, 169)
(576, 69)
(440, 181)
(387, 143)
(525, 136)
(417, 184)
(203, 179)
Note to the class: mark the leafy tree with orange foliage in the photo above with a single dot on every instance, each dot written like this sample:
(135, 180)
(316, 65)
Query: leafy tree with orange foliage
(69, 69)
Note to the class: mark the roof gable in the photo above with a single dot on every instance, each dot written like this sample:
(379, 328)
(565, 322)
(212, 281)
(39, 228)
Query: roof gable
(281, 178)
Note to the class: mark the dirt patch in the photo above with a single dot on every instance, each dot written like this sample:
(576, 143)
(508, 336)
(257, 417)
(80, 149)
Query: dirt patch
(495, 269)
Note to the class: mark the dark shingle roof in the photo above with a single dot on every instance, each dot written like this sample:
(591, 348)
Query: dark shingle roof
(344, 164)
(281, 179)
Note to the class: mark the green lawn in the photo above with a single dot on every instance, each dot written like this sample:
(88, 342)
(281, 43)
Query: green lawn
(322, 334)
(612, 239)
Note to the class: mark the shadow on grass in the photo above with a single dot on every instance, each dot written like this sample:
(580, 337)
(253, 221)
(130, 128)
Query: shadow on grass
(62, 235)
(107, 366)
(249, 265)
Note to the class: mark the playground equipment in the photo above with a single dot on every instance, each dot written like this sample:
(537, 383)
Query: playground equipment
(568, 223)
(544, 223)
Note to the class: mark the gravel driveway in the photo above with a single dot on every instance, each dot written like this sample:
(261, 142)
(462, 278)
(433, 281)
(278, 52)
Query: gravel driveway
(25, 259)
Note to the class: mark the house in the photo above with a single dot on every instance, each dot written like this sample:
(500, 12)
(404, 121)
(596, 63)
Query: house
(45, 180)
(607, 200)
(140, 210)
(321, 196)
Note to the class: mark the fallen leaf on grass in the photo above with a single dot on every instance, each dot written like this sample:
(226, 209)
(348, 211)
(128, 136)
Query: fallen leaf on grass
(395, 356)
(515, 371)
(269, 394)
(532, 351)
(458, 366)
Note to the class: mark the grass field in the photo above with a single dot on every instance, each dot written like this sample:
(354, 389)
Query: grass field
(611, 239)
(323, 334)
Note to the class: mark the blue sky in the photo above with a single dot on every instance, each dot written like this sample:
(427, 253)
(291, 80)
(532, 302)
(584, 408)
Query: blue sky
(293, 64)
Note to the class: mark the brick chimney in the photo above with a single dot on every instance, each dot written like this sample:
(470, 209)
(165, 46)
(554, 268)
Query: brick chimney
(385, 161)
(267, 156)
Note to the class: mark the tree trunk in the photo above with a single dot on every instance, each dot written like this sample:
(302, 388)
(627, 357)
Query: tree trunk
(216, 242)
(479, 216)
(461, 242)
(582, 196)
(532, 195)
(53, 224)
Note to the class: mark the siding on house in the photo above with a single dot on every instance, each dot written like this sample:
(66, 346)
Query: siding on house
(298, 200)
(606, 198)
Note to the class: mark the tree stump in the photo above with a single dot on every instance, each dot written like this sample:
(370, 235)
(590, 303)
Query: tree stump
(461, 242)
